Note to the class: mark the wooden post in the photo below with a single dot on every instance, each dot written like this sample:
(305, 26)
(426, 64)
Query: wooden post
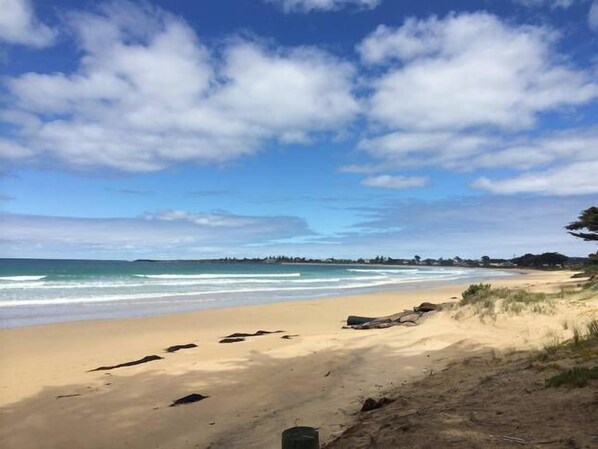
(301, 438)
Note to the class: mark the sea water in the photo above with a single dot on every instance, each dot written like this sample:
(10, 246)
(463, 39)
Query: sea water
(36, 291)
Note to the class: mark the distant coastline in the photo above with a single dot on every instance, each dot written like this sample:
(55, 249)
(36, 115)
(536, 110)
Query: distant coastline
(549, 260)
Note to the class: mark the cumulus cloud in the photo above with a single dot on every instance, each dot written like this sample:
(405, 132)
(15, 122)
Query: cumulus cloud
(148, 94)
(469, 151)
(169, 233)
(14, 151)
(558, 163)
(574, 179)
(437, 148)
(466, 92)
(395, 182)
(469, 70)
(322, 5)
(19, 25)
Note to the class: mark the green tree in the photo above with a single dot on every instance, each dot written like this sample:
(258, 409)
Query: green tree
(587, 220)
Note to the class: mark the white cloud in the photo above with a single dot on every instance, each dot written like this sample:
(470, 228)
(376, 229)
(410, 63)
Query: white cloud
(163, 234)
(148, 94)
(493, 225)
(211, 220)
(322, 5)
(13, 151)
(593, 16)
(466, 92)
(574, 179)
(19, 25)
(558, 163)
(556, 148)
(412, 149)
(564, 4)
(469, 70)
(469, 151)
(395, 182)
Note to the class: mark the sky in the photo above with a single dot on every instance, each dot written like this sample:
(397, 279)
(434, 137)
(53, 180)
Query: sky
(310, 128)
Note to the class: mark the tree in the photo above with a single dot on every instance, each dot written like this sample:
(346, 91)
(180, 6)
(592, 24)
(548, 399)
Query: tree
(588, 219)
(541, 260)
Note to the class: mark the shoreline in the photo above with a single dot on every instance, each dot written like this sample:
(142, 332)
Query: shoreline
(124, 310)
(256, 388)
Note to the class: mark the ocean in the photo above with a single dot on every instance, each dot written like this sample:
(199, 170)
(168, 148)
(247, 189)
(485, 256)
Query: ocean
(39, 291)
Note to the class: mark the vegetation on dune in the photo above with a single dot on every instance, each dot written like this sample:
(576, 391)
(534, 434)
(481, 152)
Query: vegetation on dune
(488, 301)
(574, 377)
(581, 351)
(593, 329)
(583, 343)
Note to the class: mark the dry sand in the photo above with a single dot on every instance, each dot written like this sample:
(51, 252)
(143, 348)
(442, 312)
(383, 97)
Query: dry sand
(256, 388)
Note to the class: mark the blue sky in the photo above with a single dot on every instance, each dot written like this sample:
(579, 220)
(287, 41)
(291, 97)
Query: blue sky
(345, 128)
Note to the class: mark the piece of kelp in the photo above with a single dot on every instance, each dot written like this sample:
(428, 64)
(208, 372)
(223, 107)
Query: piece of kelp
(147, 358)
(256, 334)
(189, 399)
(176, 348)
(231, 340)
(62, 396)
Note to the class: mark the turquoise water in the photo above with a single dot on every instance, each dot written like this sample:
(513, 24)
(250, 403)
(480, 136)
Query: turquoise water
(44, 291)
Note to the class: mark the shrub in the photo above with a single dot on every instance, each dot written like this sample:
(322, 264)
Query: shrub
(489, 301)
(475, 291)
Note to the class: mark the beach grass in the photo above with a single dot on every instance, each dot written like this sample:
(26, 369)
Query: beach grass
(575, 377)
(488, 301)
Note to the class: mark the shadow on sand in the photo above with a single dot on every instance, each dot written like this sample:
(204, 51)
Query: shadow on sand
(251, 400)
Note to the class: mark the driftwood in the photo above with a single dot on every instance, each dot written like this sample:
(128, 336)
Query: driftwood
(426, 307)
(353, 320)
(406, 317)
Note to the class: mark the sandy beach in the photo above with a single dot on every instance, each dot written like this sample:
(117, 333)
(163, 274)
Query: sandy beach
(318, 376)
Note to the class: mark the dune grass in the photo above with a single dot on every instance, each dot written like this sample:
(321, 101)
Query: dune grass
(488, 301)
(575, 377)
(583, 345)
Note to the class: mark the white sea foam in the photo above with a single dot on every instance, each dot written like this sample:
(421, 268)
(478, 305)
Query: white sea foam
(383, 270)
(216, 276)
(21, 278)
(177, 283)
(143, 291)
(145, 296)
